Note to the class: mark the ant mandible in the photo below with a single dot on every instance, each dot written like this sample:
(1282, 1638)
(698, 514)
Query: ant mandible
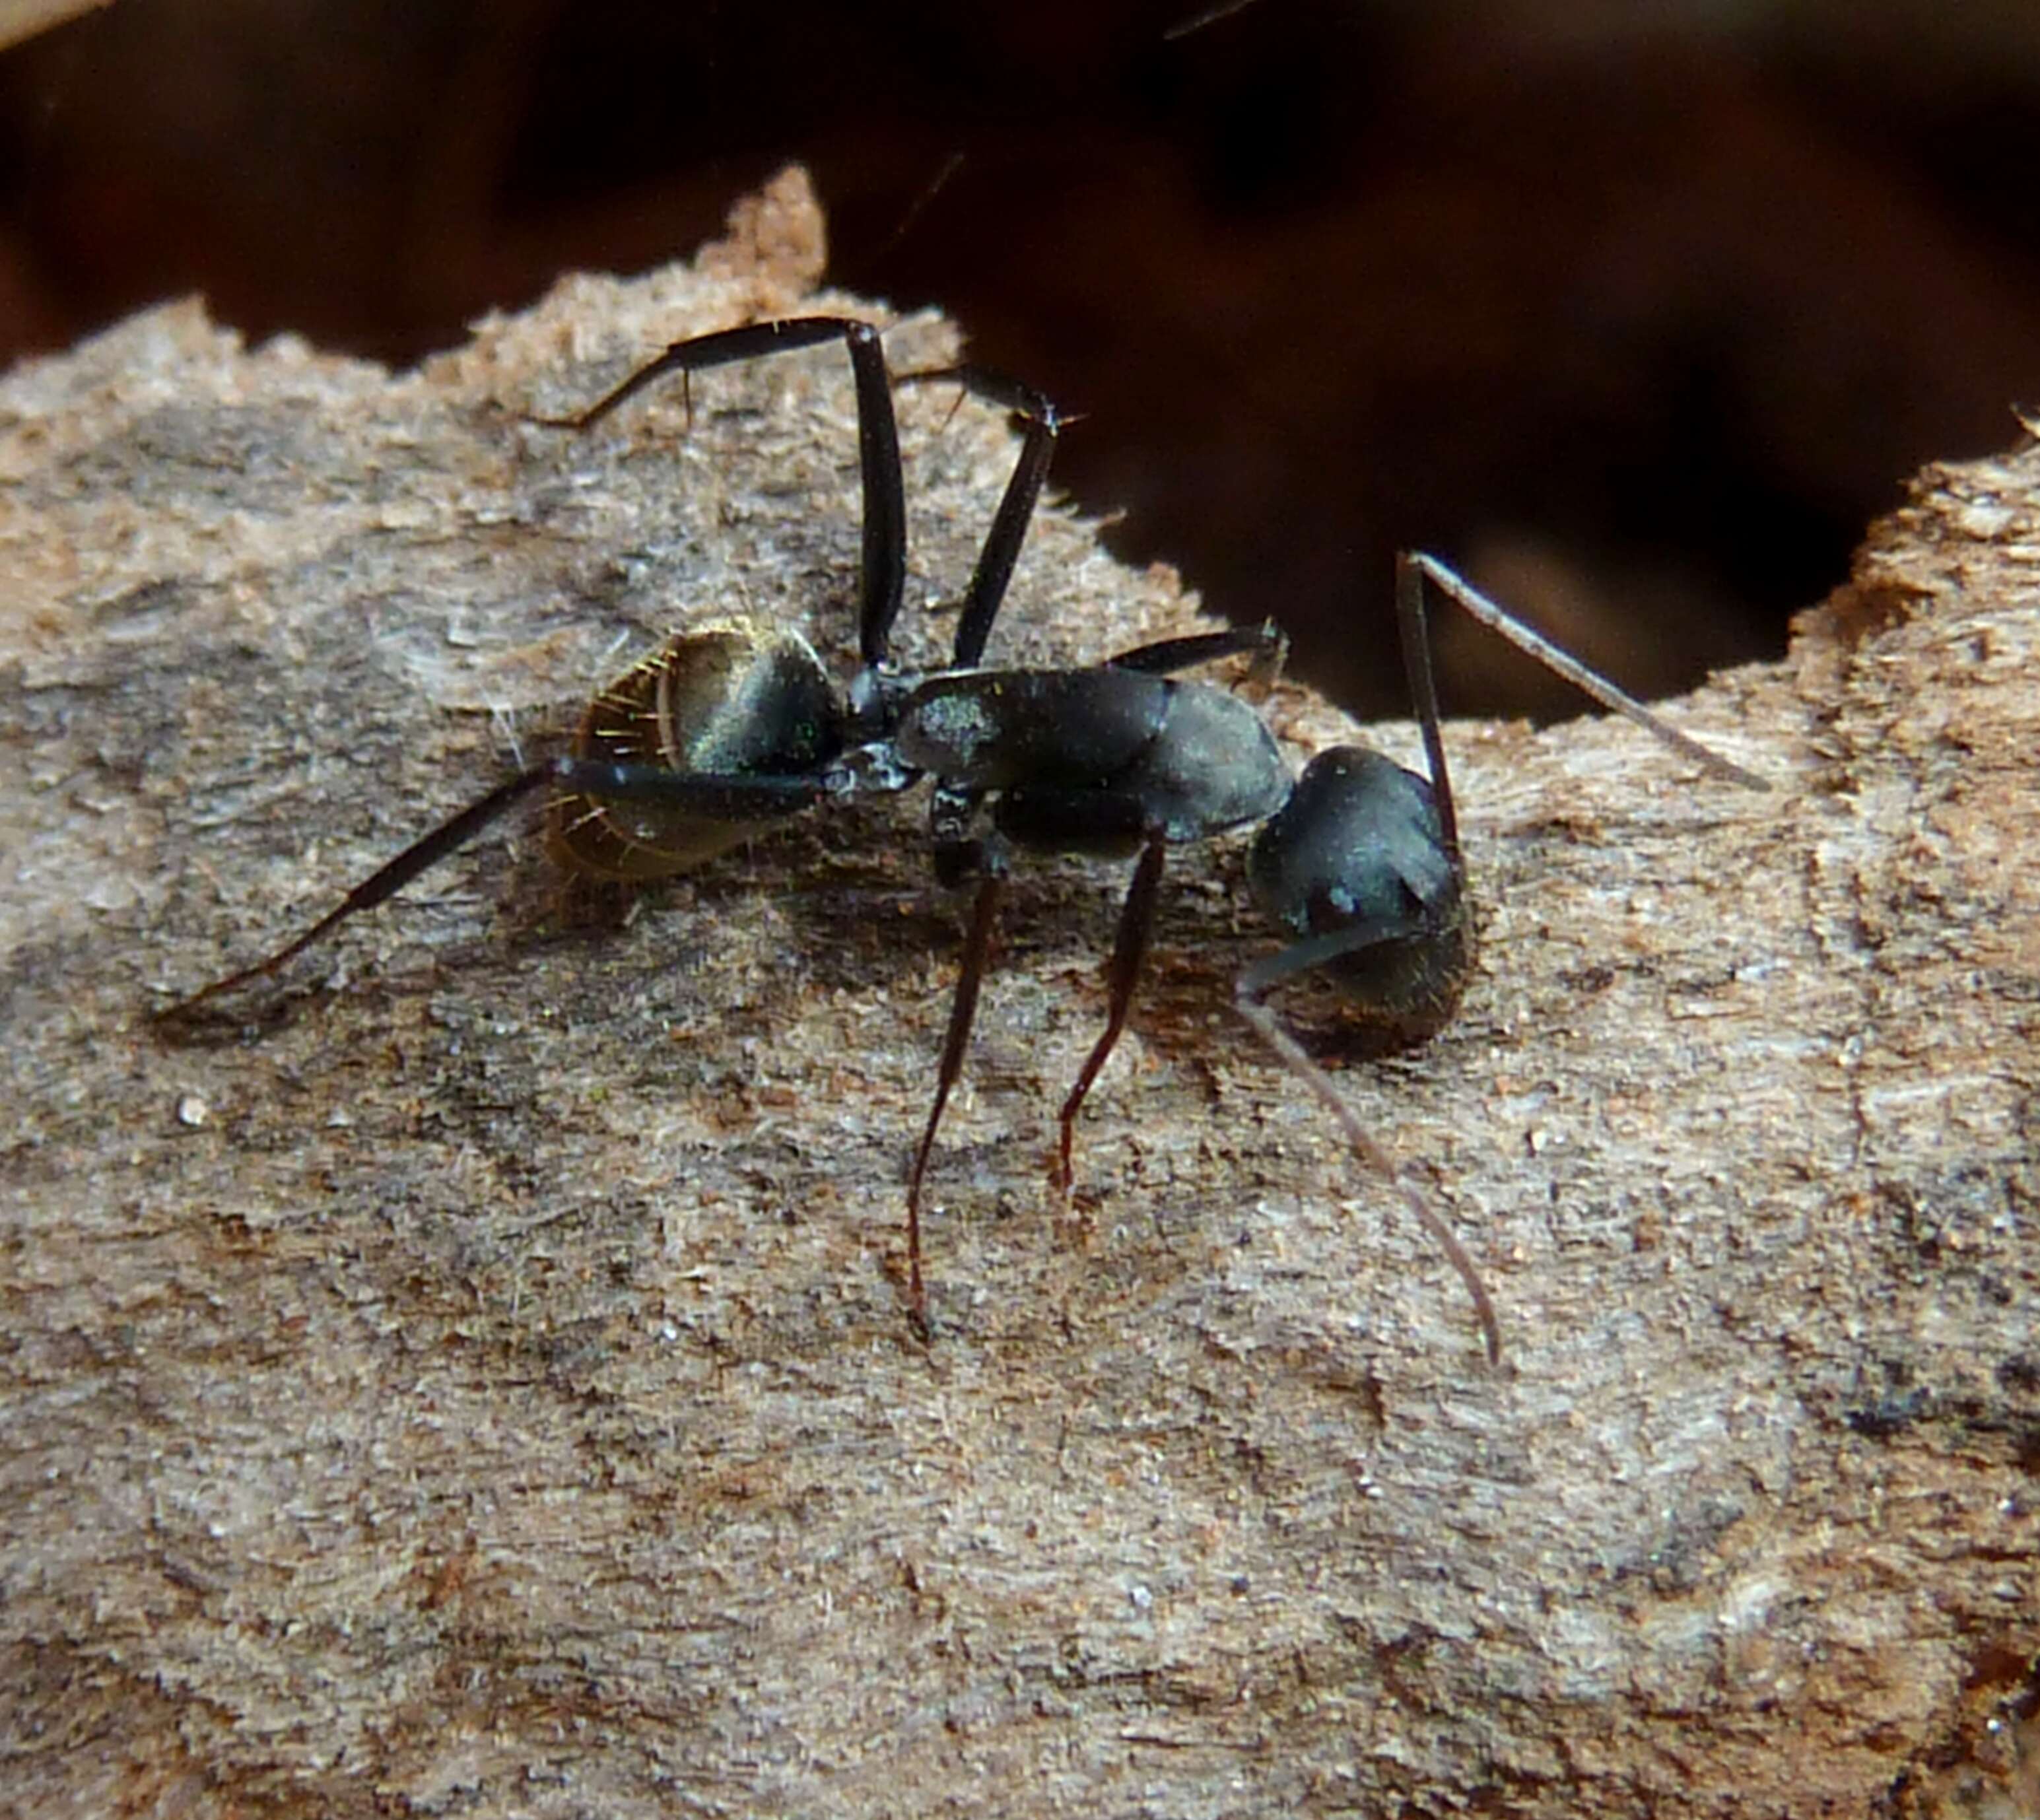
(728, 730)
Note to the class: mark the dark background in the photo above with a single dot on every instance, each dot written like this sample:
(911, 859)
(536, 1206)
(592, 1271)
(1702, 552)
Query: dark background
(1640, 326)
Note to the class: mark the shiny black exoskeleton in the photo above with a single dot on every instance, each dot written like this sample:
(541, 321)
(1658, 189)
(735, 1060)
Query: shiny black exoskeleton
(735, 725)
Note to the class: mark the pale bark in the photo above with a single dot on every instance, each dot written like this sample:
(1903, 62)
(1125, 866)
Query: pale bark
(486, 1389)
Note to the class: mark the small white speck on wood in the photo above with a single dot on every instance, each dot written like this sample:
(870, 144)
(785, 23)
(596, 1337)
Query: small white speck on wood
(499, 1398)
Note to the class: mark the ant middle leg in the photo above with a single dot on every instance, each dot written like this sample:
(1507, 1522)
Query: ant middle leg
(1042, 422)
(883, 577)
(1137, 923)
(1129, 951)
(991, 868)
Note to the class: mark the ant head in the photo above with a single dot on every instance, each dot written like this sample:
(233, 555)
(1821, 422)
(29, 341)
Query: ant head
(1356, 864)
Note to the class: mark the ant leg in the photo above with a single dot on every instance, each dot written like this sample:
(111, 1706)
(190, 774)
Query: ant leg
(1304, 955)
(1129, 948)
(989, 581)
(385, 881)
(883, 577)
(1267, 644)
(963, 1011)
(1498, 618)
(733, 798)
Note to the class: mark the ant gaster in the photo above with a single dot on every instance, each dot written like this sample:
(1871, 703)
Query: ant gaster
(731, 727)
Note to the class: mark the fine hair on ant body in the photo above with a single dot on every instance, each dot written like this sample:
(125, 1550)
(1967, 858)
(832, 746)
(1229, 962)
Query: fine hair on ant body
(730, 728)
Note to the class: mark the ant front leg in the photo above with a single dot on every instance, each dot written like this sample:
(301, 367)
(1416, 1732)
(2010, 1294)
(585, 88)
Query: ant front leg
(1137, 922)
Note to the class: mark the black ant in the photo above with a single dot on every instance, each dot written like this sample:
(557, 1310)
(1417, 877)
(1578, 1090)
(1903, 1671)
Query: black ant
(726, 730)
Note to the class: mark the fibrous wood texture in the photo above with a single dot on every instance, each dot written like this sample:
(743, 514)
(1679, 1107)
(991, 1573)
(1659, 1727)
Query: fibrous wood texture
(484, 1387)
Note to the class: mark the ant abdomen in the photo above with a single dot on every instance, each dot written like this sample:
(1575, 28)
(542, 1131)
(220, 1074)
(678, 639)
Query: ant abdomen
(733, 698)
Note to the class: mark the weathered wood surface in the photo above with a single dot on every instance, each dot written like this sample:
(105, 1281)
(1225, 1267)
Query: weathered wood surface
(487, 1390)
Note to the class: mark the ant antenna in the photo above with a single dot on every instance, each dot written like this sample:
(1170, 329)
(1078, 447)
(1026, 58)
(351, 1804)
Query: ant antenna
(1499, 619)
(1270, 1028)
